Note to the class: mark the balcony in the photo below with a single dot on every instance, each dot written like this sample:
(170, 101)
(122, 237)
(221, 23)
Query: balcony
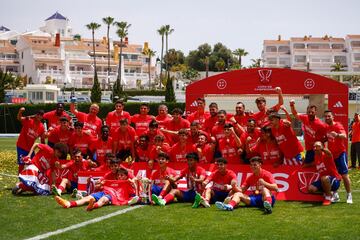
(46, 56)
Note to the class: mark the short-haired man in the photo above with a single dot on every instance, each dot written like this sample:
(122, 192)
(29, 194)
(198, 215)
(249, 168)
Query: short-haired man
(174, 125)
(179, 151)
(92, 123)
(261, 183)
(80, 140)
(212, 118)
(125, 138)
(163, 115)
(53, 117)
(101, 147)
(200, 115)
(142, 120)
(113, 118)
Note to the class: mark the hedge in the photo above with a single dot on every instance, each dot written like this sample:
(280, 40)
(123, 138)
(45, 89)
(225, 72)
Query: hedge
(129, 93)
(8, 113)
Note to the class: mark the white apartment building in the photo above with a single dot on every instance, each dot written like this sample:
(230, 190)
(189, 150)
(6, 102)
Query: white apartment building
(314, 54)
(53, 55)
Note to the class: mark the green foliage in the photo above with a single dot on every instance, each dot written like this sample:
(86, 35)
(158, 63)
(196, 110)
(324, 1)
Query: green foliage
(240, 53)
(190, 74)
(220, 65)
(170, 94)
(3, 77)
(256, 63)
(117, 91)
(96, 90)
(174, 57)
(338, 67)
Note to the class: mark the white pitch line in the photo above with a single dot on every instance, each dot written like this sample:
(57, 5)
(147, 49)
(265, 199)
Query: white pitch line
(82, 224)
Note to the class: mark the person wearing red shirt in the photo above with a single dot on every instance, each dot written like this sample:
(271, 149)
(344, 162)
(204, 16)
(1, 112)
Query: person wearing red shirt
(241, 116)
(267, 148)
(329, 177)
(32, 129)
(212, 118)
(38, 173)
(261, 183)
(80, 140)
(153, 131)
(250, 137)
(160, 184)
(223, 181)
(261, 117)
(142, 120)
(92, 124)
(194, 175)
(100, 147)
(314, 129)
(160, 146)
(179, 151)
(230, 146)
(200, 115)
(124, 139)
(355, 141)
(53, 117)
(173, 126)
(204, 149)
(61, 133)
(163, 115)
(337, 143)
(285, 137)
(70, 180)
(143, 149)
(113, 118)
(101, 198)
(217, 131)
(195, 132)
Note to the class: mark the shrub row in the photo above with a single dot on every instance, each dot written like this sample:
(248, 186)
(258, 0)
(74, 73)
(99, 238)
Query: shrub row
(8, 113)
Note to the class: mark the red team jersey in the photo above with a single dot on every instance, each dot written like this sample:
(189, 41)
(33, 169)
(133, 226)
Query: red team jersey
(178, 153)
(210, 123)
(325, 165)
(336, 145)
(261, 118)
(30, 131)
(124, 140)
(313, 130)
(61, 135)
(53, 119)
(220, 180)
(141, 123)
(113, 120)
(101, 148)
(92, 123)
(165, 148)
(288, 143)
(229, 150)
(158, 176)
(82, 142)
(161, 119)
(251, 182)
(268, 151)
(199, 118)
(74, 168)
(191, 185)
(44, 159)
(207, 153)
(143, 155)
(254, 138)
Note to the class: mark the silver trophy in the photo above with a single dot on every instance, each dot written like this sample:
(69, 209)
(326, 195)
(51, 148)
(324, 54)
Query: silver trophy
(144, 190)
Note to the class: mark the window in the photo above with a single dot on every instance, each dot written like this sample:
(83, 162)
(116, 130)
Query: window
(318, 46)
(300, 59)
(340, 59)
(337, 46)
(355, 44)
(50, 96)
(22, 55)
(134, 57)
(357, 57)
(299, 46)
(322, 59)
(284, 49)
(271, 61)
(271, 49)
(36, 95)
(284, 61)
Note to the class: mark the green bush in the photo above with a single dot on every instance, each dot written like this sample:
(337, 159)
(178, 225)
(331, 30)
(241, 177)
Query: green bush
(8, 113)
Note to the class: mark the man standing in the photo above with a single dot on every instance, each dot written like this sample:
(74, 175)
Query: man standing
(113, 118)
(142, 120)
(336, 138)
(200, 115)
(92, 124)
(355, 141)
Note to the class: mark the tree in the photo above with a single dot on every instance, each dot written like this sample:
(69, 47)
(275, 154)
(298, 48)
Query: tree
(168, 31)
(122, 32)
(149, 53)
(96, 90)
(338, 67)
(3, 79)
(174, 57)
(190, 74)
(197, 59)
(240, 53)
(108, 21)
(169, 93)
(220, 65)
(93, 26)
(161, 31)
(256, 63)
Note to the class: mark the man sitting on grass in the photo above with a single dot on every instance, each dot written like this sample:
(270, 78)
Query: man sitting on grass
(194, 175)
(261, 183)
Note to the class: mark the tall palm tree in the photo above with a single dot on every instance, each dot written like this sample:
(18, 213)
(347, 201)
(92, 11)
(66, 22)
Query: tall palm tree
(256, 62)
(240, 53)
(122, 32)
(149, 53)
(161, 31)
(168, 31)
(108, 21)
(93, 26)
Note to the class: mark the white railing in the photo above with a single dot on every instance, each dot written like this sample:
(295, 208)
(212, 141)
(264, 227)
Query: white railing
(46, 55)
(9, 58)
(51, 71)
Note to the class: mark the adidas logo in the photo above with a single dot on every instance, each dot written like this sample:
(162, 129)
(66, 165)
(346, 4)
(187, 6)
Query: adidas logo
(194, 104)
(338, 104)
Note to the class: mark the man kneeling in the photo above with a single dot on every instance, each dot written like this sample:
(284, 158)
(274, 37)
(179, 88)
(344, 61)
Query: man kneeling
(261, 183)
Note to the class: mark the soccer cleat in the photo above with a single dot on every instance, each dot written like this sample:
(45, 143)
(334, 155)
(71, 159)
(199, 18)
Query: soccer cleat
(64, 203)
(133, 200)
(16, 190)
(326, 202)
(222, 206)
(227, 200)
(55, 191)
(90, 207)
(197, 201)
(267, 207)
(157, 200)
(204, 202)
(349, 198)
(335, 197)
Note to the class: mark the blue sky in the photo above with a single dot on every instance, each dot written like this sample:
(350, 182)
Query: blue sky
(237, 24)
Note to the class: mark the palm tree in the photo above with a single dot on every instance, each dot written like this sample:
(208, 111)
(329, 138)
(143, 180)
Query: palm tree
(122, 32)
(168, 31)
(256, 62)
(161, 31)
(337, 67)
(108, 21)
(93, 26)
(240, 53)
(149, 53)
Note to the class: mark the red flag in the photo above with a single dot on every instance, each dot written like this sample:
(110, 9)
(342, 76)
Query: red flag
(120, 191)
